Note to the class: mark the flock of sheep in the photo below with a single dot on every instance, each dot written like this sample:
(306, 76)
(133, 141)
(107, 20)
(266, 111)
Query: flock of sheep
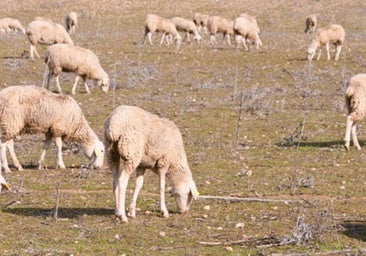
(141, 140)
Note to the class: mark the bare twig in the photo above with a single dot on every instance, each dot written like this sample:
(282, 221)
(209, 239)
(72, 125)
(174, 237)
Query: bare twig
(239, 119)
(55, 214)
(250, 199)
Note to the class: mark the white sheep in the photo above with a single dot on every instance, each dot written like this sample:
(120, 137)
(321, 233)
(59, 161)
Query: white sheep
(187, 26)
(70, 58)
(217, 24)
(155, 23)
(9, 24)
(332, 34)
(142, 140)
(71, 22)
(355, 97)
(46, 32)
(201, 21)
(310, 23)
(31, 108)
(246, 29)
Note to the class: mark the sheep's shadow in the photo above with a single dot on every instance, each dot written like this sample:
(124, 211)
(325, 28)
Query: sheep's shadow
(354, 229)
(63, 212)
(315, 144)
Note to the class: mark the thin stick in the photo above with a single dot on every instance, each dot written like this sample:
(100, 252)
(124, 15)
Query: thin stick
(239, 119)
(249, 199)
(55, 214)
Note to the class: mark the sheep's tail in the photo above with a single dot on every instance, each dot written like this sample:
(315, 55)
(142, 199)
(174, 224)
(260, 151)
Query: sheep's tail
(348, 96)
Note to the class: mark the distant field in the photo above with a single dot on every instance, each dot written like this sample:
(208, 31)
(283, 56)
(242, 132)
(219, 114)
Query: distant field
(287, 144)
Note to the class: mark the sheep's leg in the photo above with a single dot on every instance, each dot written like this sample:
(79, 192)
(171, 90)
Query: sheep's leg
(86, 85)
(164, 37)
(33, 50)
(46, 145)
(4, 161)
(10, 145)
(121, 183)
(139, 183)
(338, 51)
(60, 162)
(149, 36)
(162, 174)
(114, 160)
(58, 84)
(327, 48)
(228, 39)
(77, 78)
(319, 54)
(213, 40)
(354, 136)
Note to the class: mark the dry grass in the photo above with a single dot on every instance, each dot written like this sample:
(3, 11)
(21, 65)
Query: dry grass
(291, 133)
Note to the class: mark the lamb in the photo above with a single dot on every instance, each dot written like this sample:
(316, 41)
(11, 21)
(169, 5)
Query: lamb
(246, 29)
(70, 58)
(71, 22)
(143, 141)
(310, 23)
(31, 108)
(218, 24)
(355, 97)
(201, 21)
(9, 24)
(187, 26)
(334, 34)
(155, 23)
(46, 32)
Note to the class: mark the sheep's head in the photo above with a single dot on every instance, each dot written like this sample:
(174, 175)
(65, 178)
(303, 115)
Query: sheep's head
(183, 194)
(95, 153)
(197, 38)
(104, 84)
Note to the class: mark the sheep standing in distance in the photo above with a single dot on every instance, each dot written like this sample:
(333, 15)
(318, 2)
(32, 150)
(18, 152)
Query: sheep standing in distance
(143, 141)
(9, 24)
(31, 108)
(46, 32)
(246, 29)
(355, 97)
(332, 34)
(70, 58)
(71, 22)
(201, 21)
(218, 24)
(155, 23)
(187, 26)
(310, 23)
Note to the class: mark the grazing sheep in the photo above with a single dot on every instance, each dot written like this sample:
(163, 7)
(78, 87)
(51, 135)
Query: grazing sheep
(8, 24)
(71, 22)
(3, 183)
(70, 58)
(155, 23)
(31, 108)
(355, 97)
(310, 23)
(46, 32)
(143, 141)
(334, 34)
(187, 26)
(218, 24)
(246, 29)
(201, 21)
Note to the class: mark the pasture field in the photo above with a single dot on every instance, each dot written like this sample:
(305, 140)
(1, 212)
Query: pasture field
(256, 124)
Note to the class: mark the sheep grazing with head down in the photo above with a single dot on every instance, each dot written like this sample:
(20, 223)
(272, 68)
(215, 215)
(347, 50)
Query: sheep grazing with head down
(71, 22)
(218, 24)
(355, 97)
(201, 21)
(71, 58)
(332, 34)
(187, 26)
(8, 25)
(246, 29)
(155, 23)
(142, 140)
(31, 108)
(310, 23)
(46, 32)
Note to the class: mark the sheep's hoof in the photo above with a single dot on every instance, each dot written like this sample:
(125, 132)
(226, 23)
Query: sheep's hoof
(7, 170)
(346, 147)
(165, 214)
(121, 219)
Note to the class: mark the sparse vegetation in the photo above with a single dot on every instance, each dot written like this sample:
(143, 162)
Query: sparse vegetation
(290, 138)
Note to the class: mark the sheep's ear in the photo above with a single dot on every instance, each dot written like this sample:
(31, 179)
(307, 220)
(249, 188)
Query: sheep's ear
(194, 191)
